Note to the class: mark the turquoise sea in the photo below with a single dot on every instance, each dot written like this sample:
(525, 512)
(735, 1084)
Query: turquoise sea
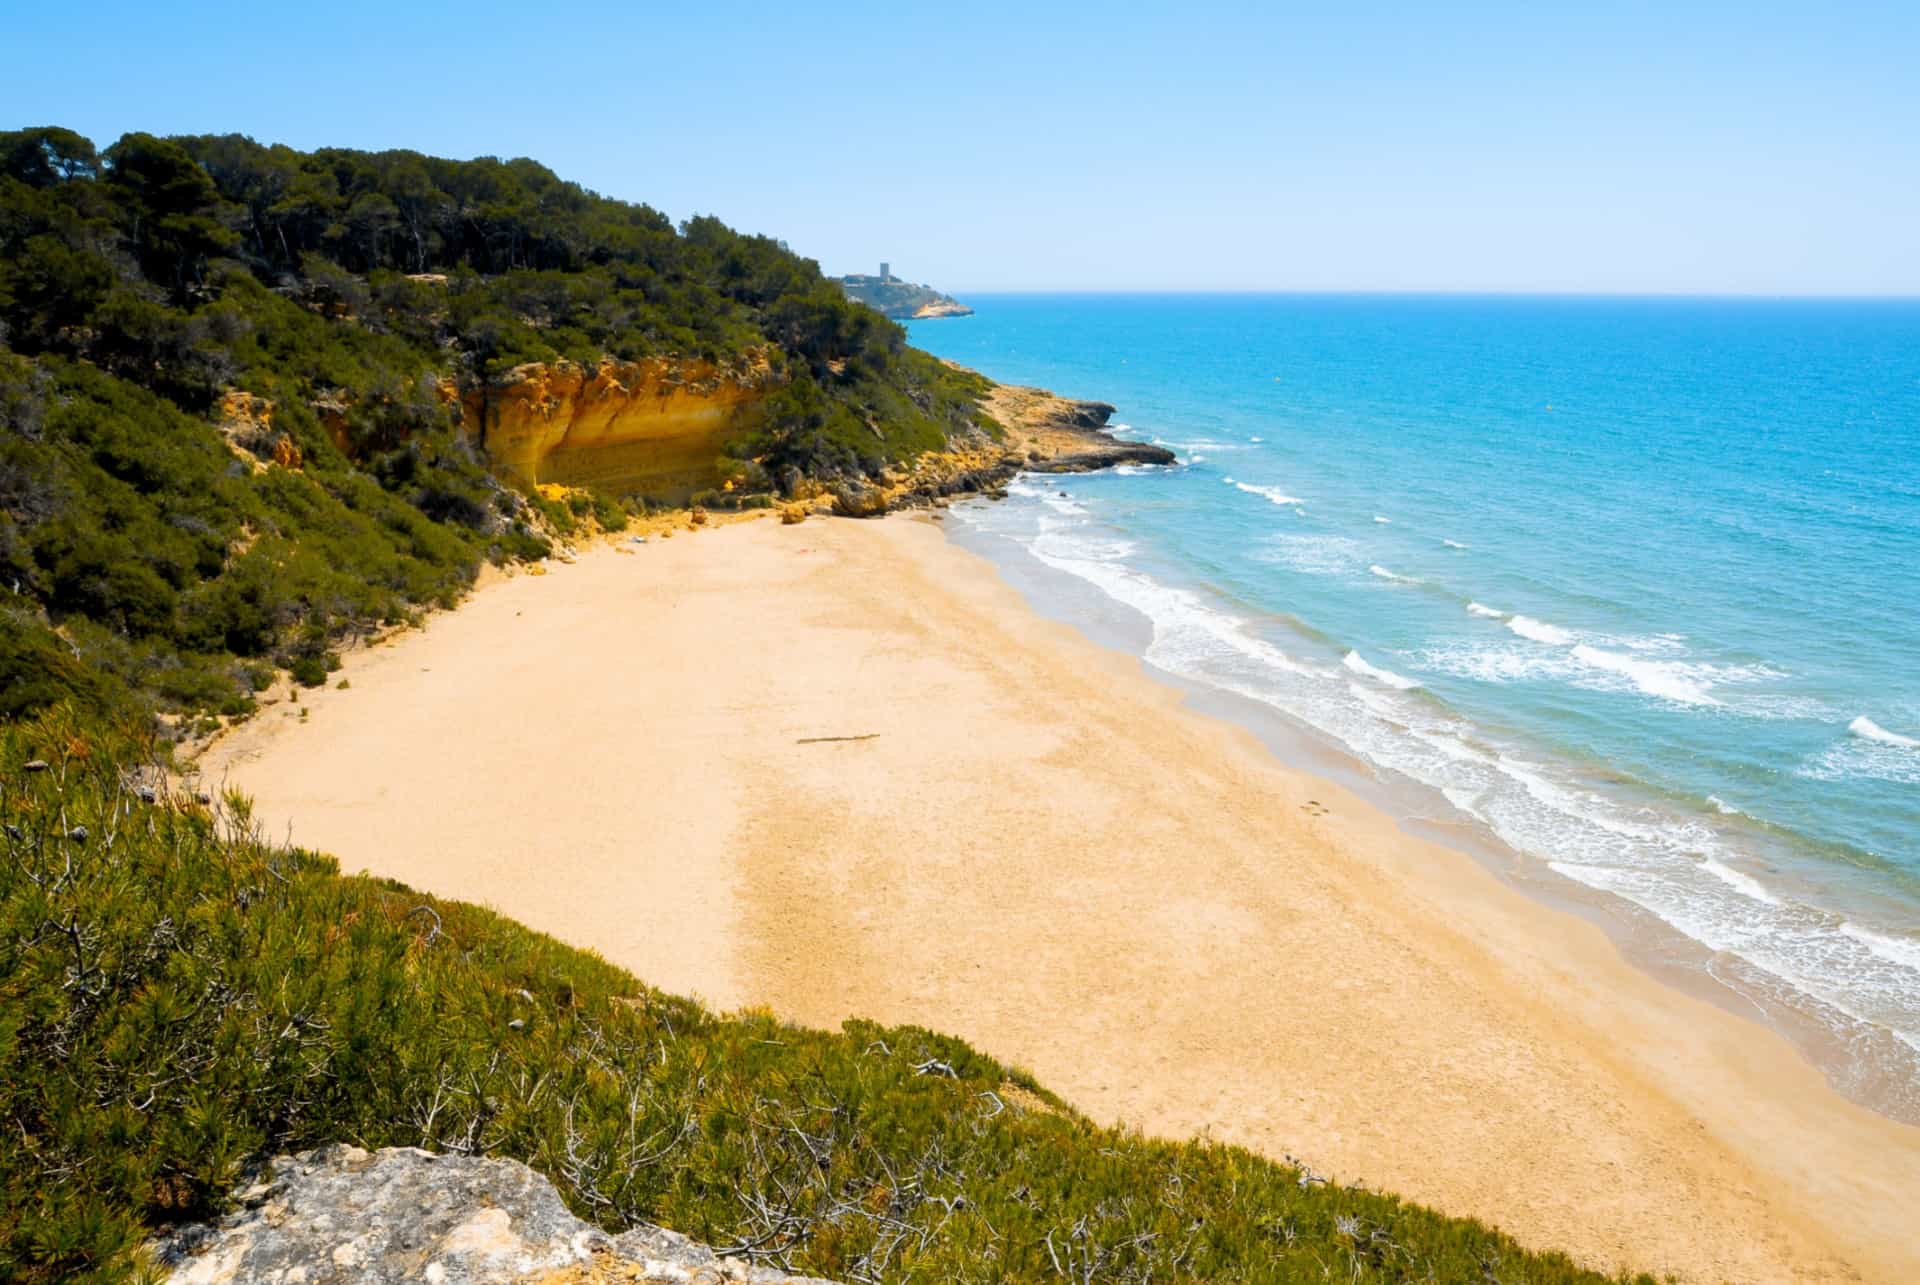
(1630, 585)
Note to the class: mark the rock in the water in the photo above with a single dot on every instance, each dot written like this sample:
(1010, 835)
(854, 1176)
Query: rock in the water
(340, 1214)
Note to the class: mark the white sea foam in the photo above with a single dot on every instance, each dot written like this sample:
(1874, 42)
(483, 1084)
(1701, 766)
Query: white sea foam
(1655, 678)
(1860, 756)
(1203, 444)
(1184, 624)
(1869, 730)
(1723, 807)
(1382, 521)
(1385, 574)
(1743, 883)
(1598, 669)
(1314, 555)
(1059, 501)
(1791, 943)
(1271, 494)
(1455, 544)
(1481, 609)
(1540, 631)
(1375, 702)
(1682, 868)
(1256, 439)
(1354, 661)
(1504, 662)
(1669, 643)
(1896, 950)
(1451, 746)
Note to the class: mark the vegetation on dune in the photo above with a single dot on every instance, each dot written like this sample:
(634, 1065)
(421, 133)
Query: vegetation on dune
(178, 997)
(143, 287)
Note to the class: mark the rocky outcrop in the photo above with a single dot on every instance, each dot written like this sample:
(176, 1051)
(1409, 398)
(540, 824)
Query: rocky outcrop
(246, 423)
(659, 427)
(1042, 434)
(1063, 435)
(944, 308)
(901, 300)
(655, 427)
(341, 1214)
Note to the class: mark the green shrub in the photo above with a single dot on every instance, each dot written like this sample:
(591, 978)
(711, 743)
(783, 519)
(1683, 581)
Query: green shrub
(608, 512)
(179, 996)
(309, 671)
(558, 516)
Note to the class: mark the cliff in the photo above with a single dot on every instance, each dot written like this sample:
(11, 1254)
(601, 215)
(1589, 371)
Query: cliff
(902, 300)
(656, 427)
(659, 427)
(1041, 433)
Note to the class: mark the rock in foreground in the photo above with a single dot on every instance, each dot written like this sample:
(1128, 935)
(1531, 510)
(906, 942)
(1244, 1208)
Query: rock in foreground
(343, 1214)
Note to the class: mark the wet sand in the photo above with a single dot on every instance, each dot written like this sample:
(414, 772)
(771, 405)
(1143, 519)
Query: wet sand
(839, 769)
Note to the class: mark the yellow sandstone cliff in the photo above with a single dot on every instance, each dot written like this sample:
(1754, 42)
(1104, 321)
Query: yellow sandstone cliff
(659, 428)
(656, 427)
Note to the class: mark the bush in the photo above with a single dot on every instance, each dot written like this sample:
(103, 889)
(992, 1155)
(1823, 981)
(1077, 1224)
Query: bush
(179, 997)
(608, 512)
(309, 671)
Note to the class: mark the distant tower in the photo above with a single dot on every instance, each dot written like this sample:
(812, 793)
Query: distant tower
(886, 271)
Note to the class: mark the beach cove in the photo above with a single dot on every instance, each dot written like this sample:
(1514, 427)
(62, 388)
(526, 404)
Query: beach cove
(840, 769)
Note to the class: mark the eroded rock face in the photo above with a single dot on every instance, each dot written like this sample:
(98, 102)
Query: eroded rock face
(654, 427)
(340, 1214)
(1063, 434)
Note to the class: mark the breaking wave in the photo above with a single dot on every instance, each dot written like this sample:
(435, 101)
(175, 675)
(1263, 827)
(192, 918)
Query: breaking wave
(1540, 631)
(1271, 494)
(1355, 662)
(1867, 729)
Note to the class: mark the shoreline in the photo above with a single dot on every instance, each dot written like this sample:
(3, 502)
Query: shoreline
(1656, 947)
(1275, 962)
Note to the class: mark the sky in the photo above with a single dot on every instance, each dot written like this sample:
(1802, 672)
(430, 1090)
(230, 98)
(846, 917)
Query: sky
(1532, 147)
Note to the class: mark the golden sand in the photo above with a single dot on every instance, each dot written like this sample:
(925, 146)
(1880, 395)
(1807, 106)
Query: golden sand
(839, 769)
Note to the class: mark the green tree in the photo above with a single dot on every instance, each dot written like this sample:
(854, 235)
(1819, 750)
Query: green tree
(47, 155)
(172, 207)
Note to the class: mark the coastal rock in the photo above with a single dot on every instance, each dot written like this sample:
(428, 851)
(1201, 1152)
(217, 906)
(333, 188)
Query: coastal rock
(901, 300)
(659, 426)
(656, 426)
(1064, 434)
(1079, 413)
(860, 501)
(339, 1214)
(947, 308)
(1105, 455)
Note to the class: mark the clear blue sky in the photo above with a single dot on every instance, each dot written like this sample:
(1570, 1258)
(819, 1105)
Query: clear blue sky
(1703, 147)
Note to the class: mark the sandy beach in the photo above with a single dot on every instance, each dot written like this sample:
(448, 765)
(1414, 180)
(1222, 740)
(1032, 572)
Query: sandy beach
(840, 769)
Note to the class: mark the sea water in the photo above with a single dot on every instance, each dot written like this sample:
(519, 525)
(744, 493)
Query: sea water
(1631, 584)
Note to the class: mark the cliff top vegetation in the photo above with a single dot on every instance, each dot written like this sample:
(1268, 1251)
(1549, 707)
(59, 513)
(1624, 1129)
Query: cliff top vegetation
(227, 447)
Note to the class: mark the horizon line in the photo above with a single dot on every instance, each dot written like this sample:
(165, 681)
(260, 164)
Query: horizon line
(1363, 292)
